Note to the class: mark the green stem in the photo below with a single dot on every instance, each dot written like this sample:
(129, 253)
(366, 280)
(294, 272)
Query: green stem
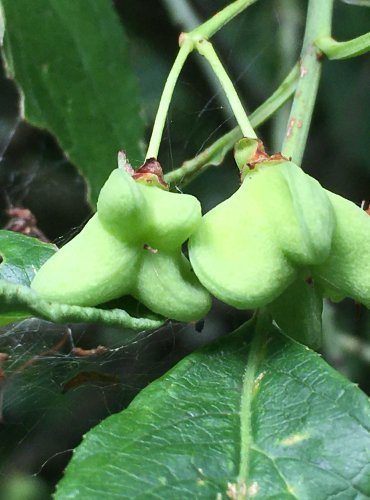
(215, 153)
(23, 300)
(206, 49)
(183, 14)
(344, 50)
(210, 27)
(277, 99)
(318, 24)
(160, 119)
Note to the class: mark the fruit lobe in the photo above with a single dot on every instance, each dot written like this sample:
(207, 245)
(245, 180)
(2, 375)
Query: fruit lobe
(81, 272)
(346, 272)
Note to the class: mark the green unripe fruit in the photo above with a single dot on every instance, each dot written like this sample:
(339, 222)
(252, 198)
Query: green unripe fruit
(346, 273)
(235, 259)
(81, 273)
(131, 246)
(248, 249)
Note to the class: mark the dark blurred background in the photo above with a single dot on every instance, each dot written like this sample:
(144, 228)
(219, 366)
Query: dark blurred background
(49, 396)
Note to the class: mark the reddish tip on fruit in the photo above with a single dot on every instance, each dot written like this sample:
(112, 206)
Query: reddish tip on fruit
(260, 156)
(151, 173)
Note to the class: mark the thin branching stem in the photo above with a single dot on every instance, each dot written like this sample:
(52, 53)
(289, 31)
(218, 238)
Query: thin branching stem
(206, 49)
(344, 50)
(160, 119)
(188, 41)
(318, 24)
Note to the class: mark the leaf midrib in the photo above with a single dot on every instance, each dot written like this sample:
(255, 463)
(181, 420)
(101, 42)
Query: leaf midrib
(254, 358)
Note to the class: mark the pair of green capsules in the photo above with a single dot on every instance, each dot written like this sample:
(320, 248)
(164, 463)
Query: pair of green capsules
(278, 236)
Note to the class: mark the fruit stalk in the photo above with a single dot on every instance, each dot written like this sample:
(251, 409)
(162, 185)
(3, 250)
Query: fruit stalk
(166, 97)
(206, 49)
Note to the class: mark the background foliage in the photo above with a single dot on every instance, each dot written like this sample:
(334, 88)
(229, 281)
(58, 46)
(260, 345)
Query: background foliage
(46, 407)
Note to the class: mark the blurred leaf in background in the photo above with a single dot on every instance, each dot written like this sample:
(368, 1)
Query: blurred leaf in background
(70, 60)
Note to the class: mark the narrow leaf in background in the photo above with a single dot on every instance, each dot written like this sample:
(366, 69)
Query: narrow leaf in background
(235, 420)
(70, 60)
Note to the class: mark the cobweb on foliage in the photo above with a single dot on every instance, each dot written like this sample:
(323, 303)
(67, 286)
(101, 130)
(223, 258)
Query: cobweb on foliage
(33, 346)
(55, 384)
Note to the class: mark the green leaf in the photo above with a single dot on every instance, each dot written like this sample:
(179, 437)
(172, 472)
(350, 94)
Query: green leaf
(266, 418)
(70, 60)
(20, 256)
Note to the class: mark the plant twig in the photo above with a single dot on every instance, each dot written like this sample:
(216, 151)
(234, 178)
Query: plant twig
(187, 43)
(183, 14)
(290, 14)
(206, 49)
(318, 24)
(344, 50)
(24, 299)
(218, 21)
(166, 97)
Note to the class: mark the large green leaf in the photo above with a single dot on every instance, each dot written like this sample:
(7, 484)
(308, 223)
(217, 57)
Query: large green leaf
(70, 60)
(266, 418)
